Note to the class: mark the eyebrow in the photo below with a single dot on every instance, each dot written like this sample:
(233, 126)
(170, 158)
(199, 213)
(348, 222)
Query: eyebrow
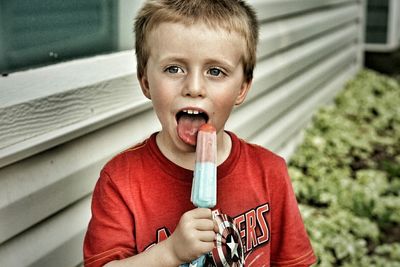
(206, 61)
(173, 59)
(222, 62)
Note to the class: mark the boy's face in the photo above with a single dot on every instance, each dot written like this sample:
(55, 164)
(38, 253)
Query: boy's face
(193, 69)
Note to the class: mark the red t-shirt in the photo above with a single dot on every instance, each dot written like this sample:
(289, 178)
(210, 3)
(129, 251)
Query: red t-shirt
(141, 195)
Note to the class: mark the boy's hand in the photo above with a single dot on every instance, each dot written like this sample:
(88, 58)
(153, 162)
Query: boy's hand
(194, 235)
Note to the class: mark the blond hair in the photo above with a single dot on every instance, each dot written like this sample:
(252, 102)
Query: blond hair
(230, 15)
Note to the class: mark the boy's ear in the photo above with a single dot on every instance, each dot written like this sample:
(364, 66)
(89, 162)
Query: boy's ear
(243, 92)
(144, 85)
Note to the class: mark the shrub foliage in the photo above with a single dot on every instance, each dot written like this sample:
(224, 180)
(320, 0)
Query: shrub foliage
(346, 175)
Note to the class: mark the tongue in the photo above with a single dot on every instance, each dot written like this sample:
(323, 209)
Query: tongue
(188, 126)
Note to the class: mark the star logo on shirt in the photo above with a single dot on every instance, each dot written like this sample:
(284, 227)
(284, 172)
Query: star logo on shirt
(229, 248)
(233, 246)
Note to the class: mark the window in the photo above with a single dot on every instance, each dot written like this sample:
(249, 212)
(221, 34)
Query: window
(377, 21)
(40, 32)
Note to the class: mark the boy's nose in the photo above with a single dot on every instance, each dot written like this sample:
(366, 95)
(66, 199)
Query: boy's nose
(194, 86)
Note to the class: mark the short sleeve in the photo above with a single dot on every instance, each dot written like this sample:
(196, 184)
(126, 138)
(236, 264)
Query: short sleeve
(290, 245)
(110, 231)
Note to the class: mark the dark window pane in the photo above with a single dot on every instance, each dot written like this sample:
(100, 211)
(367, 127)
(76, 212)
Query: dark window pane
(40, 32)
(377, 21)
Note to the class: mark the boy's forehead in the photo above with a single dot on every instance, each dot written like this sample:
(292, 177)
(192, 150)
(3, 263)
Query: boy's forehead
(192, 26)
(193, 36)
(198, 29)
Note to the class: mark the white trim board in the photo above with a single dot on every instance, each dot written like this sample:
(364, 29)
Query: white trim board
(44, 107)
(24, 86)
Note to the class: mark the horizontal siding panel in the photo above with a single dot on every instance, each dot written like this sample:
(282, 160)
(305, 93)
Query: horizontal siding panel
(272, 9)
(278, 135)
(260, 112)
(280, 67)
(283, 33)
(54, 242)
(35, 139)
(64, 109)
(63, 174)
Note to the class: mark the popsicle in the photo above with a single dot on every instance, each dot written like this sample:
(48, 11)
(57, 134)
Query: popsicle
(204, 186)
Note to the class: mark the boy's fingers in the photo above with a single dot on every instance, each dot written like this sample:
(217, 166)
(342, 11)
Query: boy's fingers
(206, 247)
(202, 213)
(205, 225)
(216, 228)
(207, 236)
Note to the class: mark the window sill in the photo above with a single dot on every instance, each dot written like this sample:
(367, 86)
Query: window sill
(44, 107)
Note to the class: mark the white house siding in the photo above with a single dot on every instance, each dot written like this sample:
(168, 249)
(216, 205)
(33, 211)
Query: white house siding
(60, 124)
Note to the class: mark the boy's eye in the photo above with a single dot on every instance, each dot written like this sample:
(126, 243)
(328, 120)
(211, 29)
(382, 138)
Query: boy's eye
(174, 69)
(215, 72)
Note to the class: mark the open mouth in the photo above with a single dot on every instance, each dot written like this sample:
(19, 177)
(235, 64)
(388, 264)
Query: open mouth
(192, 114)
(189, 122)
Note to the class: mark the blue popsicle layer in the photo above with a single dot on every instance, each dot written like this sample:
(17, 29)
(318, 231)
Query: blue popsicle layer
(204, 194)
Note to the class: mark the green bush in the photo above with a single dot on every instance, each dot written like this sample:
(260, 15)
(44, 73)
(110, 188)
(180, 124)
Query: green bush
(346, 175)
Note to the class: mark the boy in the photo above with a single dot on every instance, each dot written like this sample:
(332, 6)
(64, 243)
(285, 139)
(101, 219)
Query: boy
(195, 62)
